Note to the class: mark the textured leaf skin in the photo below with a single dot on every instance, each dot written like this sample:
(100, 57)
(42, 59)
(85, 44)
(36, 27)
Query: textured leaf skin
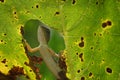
(92, 39)
(79, 21)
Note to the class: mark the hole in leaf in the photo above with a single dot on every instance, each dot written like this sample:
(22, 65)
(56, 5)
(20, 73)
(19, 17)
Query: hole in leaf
(76, 53)
(97, 3)
(109, 23)
(1, 40)
(81, 44)
(81, 57)
(73, 2)
(6, 65)
(82, 38)
(82, 78)
(37, 6)
(22, 30)
(94, 34)
(16, 70)
(5, 34)
(15, 12)
(90, 74)
(109, 70)
(57, 13)
(91, 48)
(78, 71)
(104, 25)
(2, 0)
(4, 61)
(100, 34)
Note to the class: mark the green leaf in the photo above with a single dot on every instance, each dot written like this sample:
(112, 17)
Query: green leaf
(90, 28)
(92, 38)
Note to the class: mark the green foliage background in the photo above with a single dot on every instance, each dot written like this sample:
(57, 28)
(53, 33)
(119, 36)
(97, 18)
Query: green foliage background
(76, 20)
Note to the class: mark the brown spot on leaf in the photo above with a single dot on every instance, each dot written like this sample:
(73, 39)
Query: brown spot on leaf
(81, 56)
(62, 63)
(109, 23)
(73, 1)
(15, 12)
(57, 13)
(82, 38)
(16, 70)
(81, 44)
(1, 0)
(109, 70)
(26, 63)
(82, 78)
(1, 40)
(5, 34)
(6, 65)
(37, 6)
(94, 34)
(22, 30)
(90, 74)
(97, 3)
(4, 61)
(104, 25)
(91, 48)
(78, 71)
(76, 53)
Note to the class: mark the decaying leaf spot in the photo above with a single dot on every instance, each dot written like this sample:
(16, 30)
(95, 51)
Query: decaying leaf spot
(82, 38)
(109, 70)
(81, 56)
(104, 25)
(4, 34)
(107, 23)
(21, 30)
(26, 63)
(15, 12)
(16, 70)
(100, 34)
(6, 65)
(94, 34)
(1, 0)
(97, 3)
(37, 6)
(73, 1)
(81, 44)
(78, 71)
(90, 74)
(57, 13)
(4, 61)
(91, 48)
(62, 63)
(82, 78)
(76, 53)
(1, 41)
(92, 63)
